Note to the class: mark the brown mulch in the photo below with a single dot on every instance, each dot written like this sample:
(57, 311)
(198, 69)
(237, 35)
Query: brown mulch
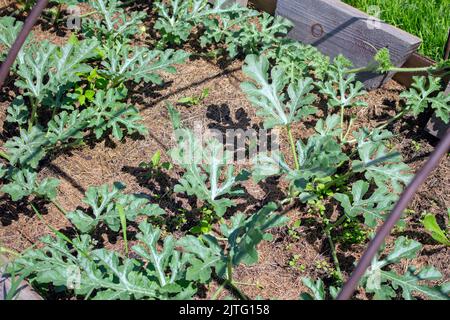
(225, 108)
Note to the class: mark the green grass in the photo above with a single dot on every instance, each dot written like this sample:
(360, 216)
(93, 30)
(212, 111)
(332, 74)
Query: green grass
(427, 19)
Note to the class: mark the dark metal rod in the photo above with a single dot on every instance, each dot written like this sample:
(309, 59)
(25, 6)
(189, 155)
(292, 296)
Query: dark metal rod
(447, 47)
(14, 51)
(385, 229)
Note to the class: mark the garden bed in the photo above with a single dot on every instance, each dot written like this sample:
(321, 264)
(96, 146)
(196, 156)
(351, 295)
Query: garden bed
(297, 250)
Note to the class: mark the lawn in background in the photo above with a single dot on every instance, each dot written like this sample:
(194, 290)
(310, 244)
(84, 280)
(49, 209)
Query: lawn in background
(427, 19)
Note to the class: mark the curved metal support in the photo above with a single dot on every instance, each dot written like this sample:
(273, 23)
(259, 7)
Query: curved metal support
(385, 229)
(14, 51)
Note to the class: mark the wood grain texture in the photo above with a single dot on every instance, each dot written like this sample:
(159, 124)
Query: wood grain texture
(337, 28)
(414, 61)
(268, 6)
(25, 292)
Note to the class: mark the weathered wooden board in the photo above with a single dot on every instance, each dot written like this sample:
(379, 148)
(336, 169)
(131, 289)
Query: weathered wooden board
(415, 61)
(436, 126)
(268, 6)
(337, 28)
(25, 291)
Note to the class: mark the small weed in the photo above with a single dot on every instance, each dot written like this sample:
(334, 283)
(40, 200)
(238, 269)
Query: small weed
(194, 100)
(294, 263)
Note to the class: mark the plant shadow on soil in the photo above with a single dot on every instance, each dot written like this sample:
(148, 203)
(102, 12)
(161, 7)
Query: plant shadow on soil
(225, 109)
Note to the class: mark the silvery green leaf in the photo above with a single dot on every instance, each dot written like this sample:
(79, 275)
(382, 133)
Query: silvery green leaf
(242, 34)
(33, 71)
(410, 284)
(28, 148)
(103, 203)
(329, 127)
(95, 274)
(209, 257)
(244, 234)
(9, 30)
(69, 61)
(265, 166)
(68, 126)
(299, 60)
(277, 108)
(169, 264)
(317, 289)
(320, 156)
(384, 167)
(373, 208)
(124, 62)
(386, 283)
(204, 165)
(425, 92)
(177, 18)
(18, 111)
(114, 23)
(23, 183)
(341, 88)
(111, 113)
(404, 249)
(47, 188)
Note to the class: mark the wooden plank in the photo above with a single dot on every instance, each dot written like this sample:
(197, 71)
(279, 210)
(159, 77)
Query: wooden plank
(415, 61)
(337, 28)
(25, 292)
(268, 6)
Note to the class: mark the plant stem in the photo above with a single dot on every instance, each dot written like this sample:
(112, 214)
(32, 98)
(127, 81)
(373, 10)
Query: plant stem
(393, 69)
(422, 69)
(32, 119)
(293, 148)
(60, 208)
(238, 291)
(5, 156)
(57, 15)
(348, 129)
(233, 288)
(229, 282)
(333, 253)
(387, 123)
(396, 117)
(338, 222)
(246, 284)
(344, 177)
(87, 14)
(219, 290)
(230, 270)
(9, 251)
(342, 121)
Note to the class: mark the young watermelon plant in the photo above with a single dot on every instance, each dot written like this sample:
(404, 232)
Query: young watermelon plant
(344, 176)
(81, 99)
